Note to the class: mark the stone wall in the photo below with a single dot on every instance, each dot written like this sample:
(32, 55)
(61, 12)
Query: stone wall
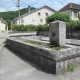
(42, 57)
(73, 41)
(51, 60)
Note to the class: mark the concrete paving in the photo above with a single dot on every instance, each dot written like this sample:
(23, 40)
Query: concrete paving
(14, 67)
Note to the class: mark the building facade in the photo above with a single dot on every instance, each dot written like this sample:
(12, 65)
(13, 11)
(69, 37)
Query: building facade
(2, 25)
(71, 9)
(34, 17)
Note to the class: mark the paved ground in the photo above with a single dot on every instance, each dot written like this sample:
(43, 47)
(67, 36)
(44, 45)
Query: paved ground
(14, 67)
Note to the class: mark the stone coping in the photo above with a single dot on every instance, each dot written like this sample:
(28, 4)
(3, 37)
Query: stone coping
(73, 42)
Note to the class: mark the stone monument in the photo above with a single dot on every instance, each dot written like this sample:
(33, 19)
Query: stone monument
(57, 31)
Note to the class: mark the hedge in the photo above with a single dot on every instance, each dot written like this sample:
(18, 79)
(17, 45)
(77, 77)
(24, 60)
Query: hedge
(44, 27)
(31, 27)
(73, 25)
(58, 16)
(24, 27)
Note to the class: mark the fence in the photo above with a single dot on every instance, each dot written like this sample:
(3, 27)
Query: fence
(43, 33)
(73, 34)
(69, 34)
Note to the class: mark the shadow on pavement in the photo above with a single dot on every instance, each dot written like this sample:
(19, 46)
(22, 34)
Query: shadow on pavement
(29, 62)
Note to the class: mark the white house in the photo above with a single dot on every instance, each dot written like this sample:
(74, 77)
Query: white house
(72, 9)
(2, 24)
(35, 17)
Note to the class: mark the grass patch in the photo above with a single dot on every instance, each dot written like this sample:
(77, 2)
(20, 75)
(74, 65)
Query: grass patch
(70, 68)
(56, 74)
(56, 48)
(77, 65)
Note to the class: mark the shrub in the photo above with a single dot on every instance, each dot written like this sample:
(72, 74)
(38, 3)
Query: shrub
(44, 27)
(73, 25)
(24, 27)
(31, 27)
(39, 27)
(70, 25)
(15, 27)
(58, 16)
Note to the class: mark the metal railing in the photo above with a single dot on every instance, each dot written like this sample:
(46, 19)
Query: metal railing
(69, 34)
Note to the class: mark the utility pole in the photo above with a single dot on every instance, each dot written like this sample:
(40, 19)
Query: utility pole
(19, 10)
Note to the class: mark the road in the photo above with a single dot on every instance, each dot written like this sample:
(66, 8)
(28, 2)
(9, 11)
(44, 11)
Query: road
(14, 67)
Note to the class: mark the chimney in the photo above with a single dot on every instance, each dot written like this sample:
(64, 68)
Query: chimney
(28, 8)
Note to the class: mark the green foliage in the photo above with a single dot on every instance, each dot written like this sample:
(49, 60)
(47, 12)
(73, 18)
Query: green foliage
(9, 23)
(75, 10)
(56, 48)
(70, 68)
(10, 15)
(6, 27)
(58, 16)
(73, 25)
(56, 74)
(24, 27)
(79, 16)
(44, 27)
(76, 65)
(31, 27)
(39, 27)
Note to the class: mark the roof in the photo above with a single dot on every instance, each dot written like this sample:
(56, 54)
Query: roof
(70, 6)
(3, 21)
(34, 11)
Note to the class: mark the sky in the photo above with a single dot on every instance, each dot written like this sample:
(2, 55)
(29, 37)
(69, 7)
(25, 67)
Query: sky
(11, 5)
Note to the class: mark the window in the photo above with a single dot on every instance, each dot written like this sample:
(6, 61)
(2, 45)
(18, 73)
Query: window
(75, 14)
(46, 14)
(22, 21)
(41, 20)
(39, 13)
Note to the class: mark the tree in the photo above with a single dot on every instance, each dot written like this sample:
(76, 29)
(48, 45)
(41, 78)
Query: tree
(10, 15)
(58, 16)
(73, 25)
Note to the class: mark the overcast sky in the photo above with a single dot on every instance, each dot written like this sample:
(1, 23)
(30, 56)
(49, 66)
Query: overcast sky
(7, 5)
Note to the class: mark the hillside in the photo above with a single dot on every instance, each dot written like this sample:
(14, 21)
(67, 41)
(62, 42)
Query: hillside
(10, 15)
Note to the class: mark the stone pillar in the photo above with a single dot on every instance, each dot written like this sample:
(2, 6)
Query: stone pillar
(57, 33)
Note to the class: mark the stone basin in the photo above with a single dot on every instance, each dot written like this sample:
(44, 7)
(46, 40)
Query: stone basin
(54, 61)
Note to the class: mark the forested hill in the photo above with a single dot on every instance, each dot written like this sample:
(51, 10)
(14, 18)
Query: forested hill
(10, 15)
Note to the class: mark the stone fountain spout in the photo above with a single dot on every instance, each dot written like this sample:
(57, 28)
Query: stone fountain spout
(57, 33)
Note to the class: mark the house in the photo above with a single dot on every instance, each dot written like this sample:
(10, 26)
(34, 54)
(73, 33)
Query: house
(35, 17)
(72, 9)
(2, 25)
